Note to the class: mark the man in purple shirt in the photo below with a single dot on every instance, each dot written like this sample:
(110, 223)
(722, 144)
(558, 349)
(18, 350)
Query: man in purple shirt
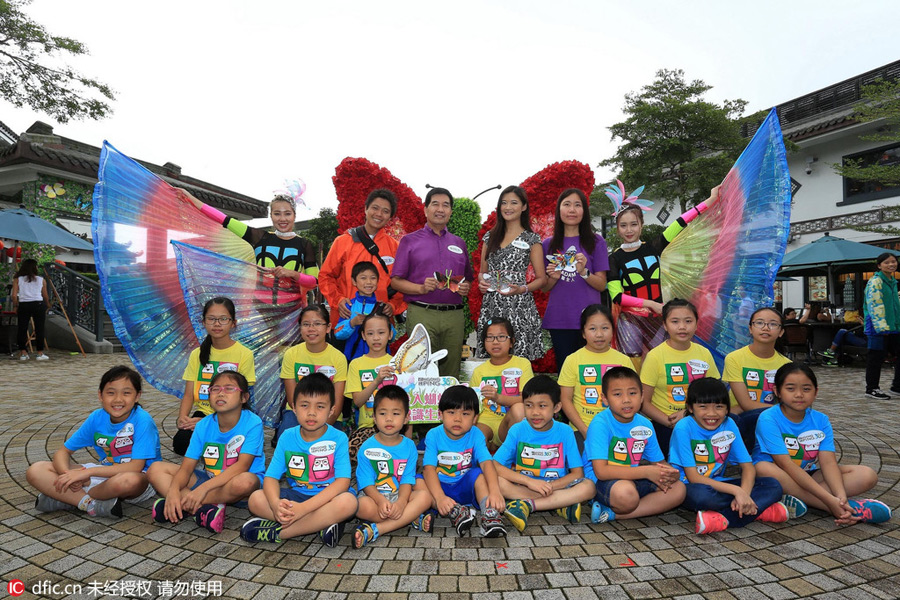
(422, 254)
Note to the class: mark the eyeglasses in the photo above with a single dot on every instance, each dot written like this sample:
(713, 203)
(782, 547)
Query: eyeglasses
(496, 338)
(228, 389)
(314, 325)
(219, 320)
(766, 324)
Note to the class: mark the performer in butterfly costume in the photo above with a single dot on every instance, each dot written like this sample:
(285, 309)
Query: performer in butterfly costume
(155, 291)
(726, 259)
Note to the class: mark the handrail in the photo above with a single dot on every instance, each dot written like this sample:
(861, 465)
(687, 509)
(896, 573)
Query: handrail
(80, 297)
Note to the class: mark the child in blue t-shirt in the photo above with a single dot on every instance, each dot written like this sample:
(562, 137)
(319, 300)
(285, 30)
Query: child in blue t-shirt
(539, 465)
(390, 496)
(618, 441)
(230, 444)
(314, 458)
(703, 444)
(458, 469)
(126, 442)
(795, 445)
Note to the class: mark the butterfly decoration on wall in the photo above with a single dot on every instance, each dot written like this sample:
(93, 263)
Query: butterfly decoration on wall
(447, 281)
(498, 281)
(562, 261)
(53, 190)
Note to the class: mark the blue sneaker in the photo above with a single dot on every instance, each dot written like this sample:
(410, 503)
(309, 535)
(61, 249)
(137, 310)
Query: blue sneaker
(795, 506)
(600, 513)
(261, 530)
(870, 511)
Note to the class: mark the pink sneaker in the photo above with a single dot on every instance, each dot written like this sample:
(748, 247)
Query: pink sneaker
(709, 521)
(211, 517)
(777, 513)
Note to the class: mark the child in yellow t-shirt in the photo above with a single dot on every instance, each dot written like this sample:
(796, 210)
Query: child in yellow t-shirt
(500, 381)
(671, 367)
(582, 371)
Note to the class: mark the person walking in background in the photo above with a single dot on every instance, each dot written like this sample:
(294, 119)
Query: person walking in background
(30, 301)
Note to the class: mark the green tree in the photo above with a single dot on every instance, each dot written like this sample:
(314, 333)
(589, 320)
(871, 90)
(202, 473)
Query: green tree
(32, 72)
(880, 100)
(323, 230)
(675, 142)
(465, 221)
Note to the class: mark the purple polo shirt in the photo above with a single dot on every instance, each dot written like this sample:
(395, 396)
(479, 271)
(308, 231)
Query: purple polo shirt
(423, 252)
(572, 294)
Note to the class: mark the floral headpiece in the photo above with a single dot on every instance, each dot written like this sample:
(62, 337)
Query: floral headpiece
(621, 201)
(292, 193)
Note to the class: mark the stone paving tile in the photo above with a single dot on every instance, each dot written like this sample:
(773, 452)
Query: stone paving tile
(552, 561)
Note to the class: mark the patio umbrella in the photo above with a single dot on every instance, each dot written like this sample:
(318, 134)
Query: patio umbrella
(829, 254)
(24, 226)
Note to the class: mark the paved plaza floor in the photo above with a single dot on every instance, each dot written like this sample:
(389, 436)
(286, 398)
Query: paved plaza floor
(660, 557)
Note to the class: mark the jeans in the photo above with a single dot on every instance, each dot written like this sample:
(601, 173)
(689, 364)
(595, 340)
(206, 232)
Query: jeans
(845, 338)
(31, 310)
(879, 345)
(700, 496)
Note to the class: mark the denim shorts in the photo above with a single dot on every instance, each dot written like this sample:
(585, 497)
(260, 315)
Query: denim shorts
(644, 487)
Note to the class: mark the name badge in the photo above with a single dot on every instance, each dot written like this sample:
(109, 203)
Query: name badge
(455, 249)
(388, 260)
(521, 245)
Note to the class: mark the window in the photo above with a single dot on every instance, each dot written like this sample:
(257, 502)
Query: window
(864, 191)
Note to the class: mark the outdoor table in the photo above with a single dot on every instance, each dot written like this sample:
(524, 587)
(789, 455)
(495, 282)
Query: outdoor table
(823, 333)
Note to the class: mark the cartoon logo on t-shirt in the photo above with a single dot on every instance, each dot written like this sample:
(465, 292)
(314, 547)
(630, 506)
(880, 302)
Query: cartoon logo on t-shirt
(760, 384)
(590, 395)
(721, 444)
(629, 451)
(454, 464)
(387, 470)
(322, 456)
(702, 455)
(698, 369)
(366, 377)
(510, 381)
(676, 373)
(301, 370)
(206, 373)
(589, 374)
(489, 403)
(804, 448)
(122, 444)
(218, 457)
(537, 460)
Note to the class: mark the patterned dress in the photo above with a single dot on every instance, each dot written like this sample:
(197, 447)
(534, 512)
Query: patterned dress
(513, 261)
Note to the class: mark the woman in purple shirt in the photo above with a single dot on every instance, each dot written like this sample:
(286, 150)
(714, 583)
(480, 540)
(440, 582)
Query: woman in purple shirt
(573, 285)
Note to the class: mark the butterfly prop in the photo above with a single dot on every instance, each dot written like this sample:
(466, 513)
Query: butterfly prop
(294, 189)
(562, 262)
(447, 281)
(498, 281)
(415, 353)
(621, 201)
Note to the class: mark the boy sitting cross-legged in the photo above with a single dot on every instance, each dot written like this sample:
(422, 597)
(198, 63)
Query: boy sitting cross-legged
(618, 439)
(458, 469)
(538, 463)
(315, 459)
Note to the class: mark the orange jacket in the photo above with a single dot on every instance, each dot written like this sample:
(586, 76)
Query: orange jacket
(334, 276)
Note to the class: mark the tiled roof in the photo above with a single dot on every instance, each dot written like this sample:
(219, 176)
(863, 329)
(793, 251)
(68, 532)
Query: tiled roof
(82, 159)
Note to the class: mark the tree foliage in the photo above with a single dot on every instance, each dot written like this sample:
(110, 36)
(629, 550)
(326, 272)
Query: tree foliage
(880, 100)
(323, 229)
(675, 142)
(32, 71)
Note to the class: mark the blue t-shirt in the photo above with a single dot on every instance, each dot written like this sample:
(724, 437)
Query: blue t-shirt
(386, 467)
(135, 438)
(310, 467)
(217, 450)
(454, 458)
(623, 444)
(776, 434)
(709, 451)
(543, 454)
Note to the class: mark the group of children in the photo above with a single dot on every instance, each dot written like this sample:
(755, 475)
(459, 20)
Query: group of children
(500, 447)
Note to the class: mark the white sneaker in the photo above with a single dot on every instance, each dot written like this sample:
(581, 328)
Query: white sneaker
(42, 357)
(23, 357)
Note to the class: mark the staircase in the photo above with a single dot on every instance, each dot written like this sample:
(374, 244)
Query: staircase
(109, 333)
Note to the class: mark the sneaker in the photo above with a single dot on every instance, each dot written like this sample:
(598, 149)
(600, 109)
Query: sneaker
(331, 535)
(517, 513)
(158, 512)
(461, 518)
(600, 513)
(23, 357)
(828, 353)
(795, 506)
(42, 357)
(830, 363)
(877, 394)
(491, 525)
(870, 511)
(709, 521)
(45, 503)
(211, 517)
(103, 508)
(261, 530)
(571, 513)
(776, 513)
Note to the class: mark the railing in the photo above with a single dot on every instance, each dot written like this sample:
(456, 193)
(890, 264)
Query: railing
(80, 297)
(888, 214)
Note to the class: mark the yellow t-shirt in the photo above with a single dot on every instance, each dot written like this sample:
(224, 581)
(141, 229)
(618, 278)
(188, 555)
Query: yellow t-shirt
(670, 371)
(584, 370)
(509, 379)
(235, 358)
(758, 374)
(361, 372)
(298, 362)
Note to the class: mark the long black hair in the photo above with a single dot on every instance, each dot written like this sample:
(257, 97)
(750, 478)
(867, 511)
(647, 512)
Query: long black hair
(29, 269)
(498, 231)
(586, 235)
(206, 346)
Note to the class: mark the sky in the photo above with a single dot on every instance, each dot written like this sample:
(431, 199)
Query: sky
(464, 95)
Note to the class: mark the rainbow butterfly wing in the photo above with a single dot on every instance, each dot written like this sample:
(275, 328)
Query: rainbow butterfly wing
(726, 260)
(136, 214)
(267, 329)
